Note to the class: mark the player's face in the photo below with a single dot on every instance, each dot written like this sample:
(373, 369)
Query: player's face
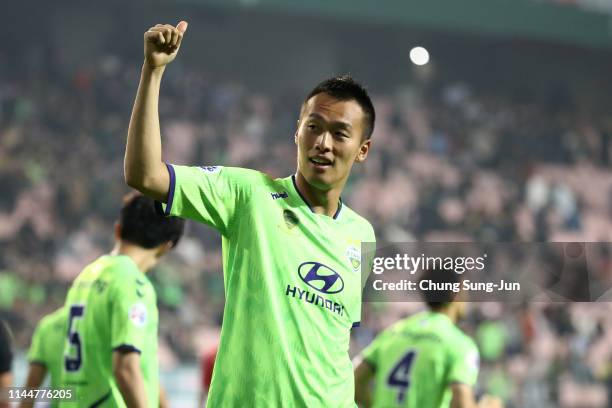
(329, 140)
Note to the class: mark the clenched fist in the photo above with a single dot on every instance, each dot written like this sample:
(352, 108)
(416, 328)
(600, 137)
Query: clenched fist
(162, 42)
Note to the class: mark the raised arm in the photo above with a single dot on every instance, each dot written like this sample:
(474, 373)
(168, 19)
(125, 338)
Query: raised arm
(143, 167)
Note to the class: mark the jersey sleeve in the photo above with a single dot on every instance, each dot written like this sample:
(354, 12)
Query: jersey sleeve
(36, 353)
(212, 195)
(367, 253)
(133, 309)
(464, 365)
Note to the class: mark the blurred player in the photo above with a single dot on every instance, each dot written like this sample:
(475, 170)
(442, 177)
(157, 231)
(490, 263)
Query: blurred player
(424, 361)
(110, 355)
(291, 248)
(6, 360)
(45, 354)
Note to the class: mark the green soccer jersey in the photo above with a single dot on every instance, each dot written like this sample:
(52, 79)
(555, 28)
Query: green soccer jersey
(417, 359)
(111, 305)
(47, 345)
(292, 288)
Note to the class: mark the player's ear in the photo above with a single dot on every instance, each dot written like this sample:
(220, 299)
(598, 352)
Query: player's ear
(295, 136)
(163, 249)
(363, 151)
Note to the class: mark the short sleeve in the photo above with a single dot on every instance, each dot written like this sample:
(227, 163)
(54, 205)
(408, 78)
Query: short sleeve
(133, 313)
(208, 194)
(36, 353)
(366, 259)
(464, 365)
(368, 253)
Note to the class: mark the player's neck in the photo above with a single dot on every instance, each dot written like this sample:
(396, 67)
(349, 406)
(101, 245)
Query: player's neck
(142, 257)
(320, 201)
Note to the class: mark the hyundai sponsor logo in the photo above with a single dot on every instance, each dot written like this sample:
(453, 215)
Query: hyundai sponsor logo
(320, 277)
(314, 299)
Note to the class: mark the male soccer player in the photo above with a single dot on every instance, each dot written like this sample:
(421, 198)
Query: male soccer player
(424, 361)
(110, 356)
(45, 354)
(291, 248)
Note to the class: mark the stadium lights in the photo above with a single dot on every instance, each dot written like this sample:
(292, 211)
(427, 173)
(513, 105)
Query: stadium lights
(419, 56)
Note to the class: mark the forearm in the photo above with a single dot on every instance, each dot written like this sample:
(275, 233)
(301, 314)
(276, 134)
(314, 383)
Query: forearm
(143, 166)
(363, 396)
(132, 387)
(364, 374)
(462, 396)
(163, 400)
(36, 376)
(458, 403)
(6, 380)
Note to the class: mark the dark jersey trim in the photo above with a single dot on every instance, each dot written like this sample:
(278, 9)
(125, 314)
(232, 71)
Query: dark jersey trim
(158, 205)
(127, 348)
(356, 324)
(171, 189)
(101, 400)
(306, 202)
(339, 208)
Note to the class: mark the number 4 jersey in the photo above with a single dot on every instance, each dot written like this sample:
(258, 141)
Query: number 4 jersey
(418, 359)
(111, 306)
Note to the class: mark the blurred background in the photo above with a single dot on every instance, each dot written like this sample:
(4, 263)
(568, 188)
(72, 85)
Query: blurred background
(504, 134)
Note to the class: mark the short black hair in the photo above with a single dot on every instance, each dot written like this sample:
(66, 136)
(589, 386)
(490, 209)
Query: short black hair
(443, 279)
(142, 225)
(345, 88)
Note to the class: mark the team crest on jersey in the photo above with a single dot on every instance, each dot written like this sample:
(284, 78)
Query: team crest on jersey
(291, 220)
(353, 254)
(211, 169)
(138, 314)
(473, 360)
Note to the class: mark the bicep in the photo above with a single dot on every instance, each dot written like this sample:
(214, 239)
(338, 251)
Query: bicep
(36, 375)
(463, 396)
(364, 374)
(126, 361)
(157, 186)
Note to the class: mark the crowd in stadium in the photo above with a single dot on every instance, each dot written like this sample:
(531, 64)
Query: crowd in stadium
(448, 163)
